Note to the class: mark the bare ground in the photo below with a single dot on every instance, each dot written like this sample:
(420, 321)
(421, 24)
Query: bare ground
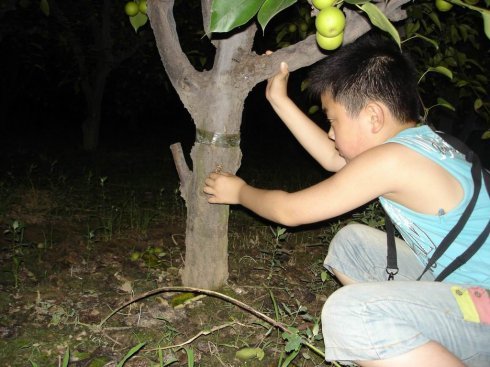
(62, 275)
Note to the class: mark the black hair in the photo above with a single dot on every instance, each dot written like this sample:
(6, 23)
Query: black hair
(372, 68)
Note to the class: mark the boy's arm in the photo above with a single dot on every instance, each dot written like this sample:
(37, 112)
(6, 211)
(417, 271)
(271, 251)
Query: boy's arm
(309, 134)
(365, 178)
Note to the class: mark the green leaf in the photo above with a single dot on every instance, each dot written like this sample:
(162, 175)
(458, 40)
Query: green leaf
(486, 135)
(480, 89)
(190, 357)
(442, 70)
(464, 32)
(477, 104)
(227, 15)
(323, 276)
(304, 85)
(412, 28)
(99, 361)
(270, 9)
(427, 39)
(281, 34)
(44, 5)
(482, 78)
(461, 83)
(138, 21)
(313, 109)
(290, 358)
(294, 340)
(443, 103)
(486, 24)
(316, 329)
(247, 353)
(356, 2)
(132, 352)
(435, 18)
(280, 231)
(170, 360)
(380, 20)
(66, 358)
(181, 298)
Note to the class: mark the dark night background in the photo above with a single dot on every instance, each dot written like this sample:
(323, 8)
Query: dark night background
(42, 107)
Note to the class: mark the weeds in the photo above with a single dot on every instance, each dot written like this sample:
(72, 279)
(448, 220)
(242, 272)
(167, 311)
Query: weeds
(372, 215)
(277, 254)
(66, 357)
(15, 232)
(15, 235)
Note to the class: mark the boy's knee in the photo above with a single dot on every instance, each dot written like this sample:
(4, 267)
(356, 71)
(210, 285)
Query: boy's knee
(345, 251)
(351, 234)
(341, 313)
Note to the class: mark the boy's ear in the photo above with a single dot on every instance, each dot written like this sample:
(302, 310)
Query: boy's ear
(376, 116)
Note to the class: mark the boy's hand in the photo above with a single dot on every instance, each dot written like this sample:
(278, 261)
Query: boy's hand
(223, 188)
(277, 85)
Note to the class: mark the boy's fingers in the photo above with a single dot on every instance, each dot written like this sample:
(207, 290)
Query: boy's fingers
(208, 181)
(284, 68)
(213, 200)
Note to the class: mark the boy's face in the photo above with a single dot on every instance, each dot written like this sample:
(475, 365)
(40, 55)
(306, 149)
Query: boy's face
(350, 134)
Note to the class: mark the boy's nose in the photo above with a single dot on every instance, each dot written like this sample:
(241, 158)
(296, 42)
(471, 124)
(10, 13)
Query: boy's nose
(331, 134)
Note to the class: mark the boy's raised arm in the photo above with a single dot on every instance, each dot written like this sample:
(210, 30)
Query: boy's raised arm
(308, 133)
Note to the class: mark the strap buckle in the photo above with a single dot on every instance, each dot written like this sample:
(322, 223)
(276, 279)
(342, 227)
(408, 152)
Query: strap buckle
(391, 273)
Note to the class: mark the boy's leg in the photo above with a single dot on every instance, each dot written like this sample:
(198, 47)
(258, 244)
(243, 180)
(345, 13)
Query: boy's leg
(431, 354)
(357, 253)
(399, 322)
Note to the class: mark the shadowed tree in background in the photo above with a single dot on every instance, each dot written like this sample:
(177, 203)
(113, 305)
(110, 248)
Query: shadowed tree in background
(215, 100)
(95, 35)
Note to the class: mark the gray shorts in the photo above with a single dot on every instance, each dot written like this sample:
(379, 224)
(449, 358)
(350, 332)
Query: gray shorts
(378, 319)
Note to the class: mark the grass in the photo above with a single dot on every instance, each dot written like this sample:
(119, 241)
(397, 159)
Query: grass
(81, 236)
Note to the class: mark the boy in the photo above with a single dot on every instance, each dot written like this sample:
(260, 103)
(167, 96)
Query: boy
(369, 93)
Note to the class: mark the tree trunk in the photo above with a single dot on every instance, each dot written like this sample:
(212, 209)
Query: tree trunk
(93, 77)
(94, 96)
(206, 257)
(90, 133)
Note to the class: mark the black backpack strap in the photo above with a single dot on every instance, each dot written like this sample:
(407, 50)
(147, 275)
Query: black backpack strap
(454, 232)
(469, 155)
(466, 255)
(392, 266)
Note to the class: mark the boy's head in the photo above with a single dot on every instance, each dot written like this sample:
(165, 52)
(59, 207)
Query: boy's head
(370, 69)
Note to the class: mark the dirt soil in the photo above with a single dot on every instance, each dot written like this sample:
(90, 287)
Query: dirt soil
(59, 280)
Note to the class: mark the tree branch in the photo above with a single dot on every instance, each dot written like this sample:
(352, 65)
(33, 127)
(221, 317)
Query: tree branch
(306, 52)
(182, 169)
(279, 325)
(231, 51)
(181, 73)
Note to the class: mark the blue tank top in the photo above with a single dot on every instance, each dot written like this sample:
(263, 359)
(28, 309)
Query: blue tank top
(423, 232)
